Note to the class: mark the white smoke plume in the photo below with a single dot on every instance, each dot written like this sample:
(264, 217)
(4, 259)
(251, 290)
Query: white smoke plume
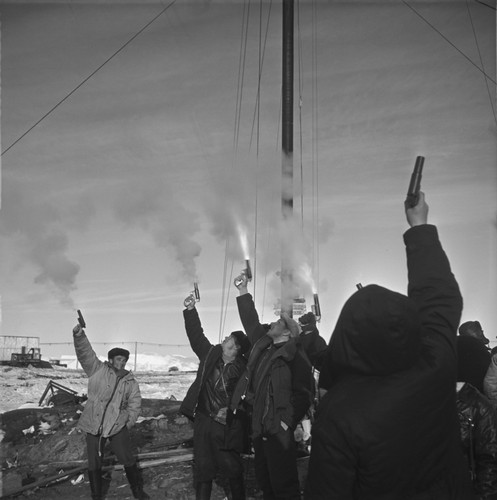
(153, 207)
(39, 234)
(231, 207)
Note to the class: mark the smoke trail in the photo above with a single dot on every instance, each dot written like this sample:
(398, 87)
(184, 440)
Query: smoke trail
(155, 208)
(304, 272)
(230, 207)
(243, 238)
(42, 240)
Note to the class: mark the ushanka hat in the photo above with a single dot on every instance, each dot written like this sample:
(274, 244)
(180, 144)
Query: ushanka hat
(118, 351)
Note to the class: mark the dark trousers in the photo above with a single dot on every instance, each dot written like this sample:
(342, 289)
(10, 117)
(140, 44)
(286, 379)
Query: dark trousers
(276, 466)
(210, 451)
(119, 443)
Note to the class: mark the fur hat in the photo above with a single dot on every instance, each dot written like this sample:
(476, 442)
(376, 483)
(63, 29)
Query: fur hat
(118, 351)
(242, 340)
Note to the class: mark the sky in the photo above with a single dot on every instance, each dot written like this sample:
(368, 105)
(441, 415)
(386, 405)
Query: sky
(141, 152)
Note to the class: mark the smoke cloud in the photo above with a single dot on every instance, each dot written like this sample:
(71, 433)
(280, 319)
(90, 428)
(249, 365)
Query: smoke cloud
(153, 207)
(230, 208)
(41, 238)
(243, 201)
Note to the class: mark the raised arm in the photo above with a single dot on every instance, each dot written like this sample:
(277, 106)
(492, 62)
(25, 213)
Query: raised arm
(313, 344)
(199, 343)
(246, 309)
(431, 282)
(84, 351)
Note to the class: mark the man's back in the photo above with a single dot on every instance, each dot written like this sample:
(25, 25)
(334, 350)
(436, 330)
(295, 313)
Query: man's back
(387, 428)
(386, 438)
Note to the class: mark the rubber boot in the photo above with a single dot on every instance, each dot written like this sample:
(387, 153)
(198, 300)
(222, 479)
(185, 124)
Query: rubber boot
(136, 482)
(237, 488)
(95, 477)
(203, 490)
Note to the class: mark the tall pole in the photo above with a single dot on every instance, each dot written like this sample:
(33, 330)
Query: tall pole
(287, 153)
(136, 350)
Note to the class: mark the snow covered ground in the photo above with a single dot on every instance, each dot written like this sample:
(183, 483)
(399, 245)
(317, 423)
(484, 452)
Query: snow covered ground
(21, 387)
(146, 362)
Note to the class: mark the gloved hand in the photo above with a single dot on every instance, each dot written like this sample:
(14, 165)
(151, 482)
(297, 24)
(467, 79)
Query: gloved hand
(308, 321)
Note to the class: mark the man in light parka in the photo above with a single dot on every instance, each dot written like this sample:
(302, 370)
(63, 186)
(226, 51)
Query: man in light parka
(113, 406)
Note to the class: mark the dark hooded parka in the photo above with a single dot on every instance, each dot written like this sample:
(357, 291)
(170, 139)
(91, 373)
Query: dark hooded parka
(387, 428)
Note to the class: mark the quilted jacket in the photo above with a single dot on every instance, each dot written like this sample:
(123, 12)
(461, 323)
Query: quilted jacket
(114, 398)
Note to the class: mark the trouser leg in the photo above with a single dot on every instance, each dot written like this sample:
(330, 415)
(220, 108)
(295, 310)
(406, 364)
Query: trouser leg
(205, 466)
(95, 477)
(136, 482)
(262, 469)
(121, 446)
(276, 466)
(229, 462)
(233, 487)
(281, 457)
(237, 487)
(203, 490)
(93, 446)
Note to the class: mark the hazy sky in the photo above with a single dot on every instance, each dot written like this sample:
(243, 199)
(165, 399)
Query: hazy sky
(159, 153)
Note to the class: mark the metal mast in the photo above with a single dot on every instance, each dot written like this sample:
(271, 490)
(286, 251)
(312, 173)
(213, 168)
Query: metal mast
(287, 151)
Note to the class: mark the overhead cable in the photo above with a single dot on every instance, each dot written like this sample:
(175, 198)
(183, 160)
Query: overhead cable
(448, 41)
(262, 52)
(88, 77)
(486, 4)
(315, 146)
(481, 61)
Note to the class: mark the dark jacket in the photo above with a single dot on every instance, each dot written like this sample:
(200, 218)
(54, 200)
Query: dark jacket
(490, 381)
(287, 389)
(387, 428)
(478, 425)
(209, 356)
(114, 398)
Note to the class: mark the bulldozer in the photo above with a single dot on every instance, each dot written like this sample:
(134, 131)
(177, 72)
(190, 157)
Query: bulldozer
(28, 357)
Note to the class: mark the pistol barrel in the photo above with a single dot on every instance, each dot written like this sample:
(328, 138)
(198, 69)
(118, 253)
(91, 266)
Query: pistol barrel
(248, 269)
(196, 291)
(317, 307)
(81, 320)
(415, 183)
